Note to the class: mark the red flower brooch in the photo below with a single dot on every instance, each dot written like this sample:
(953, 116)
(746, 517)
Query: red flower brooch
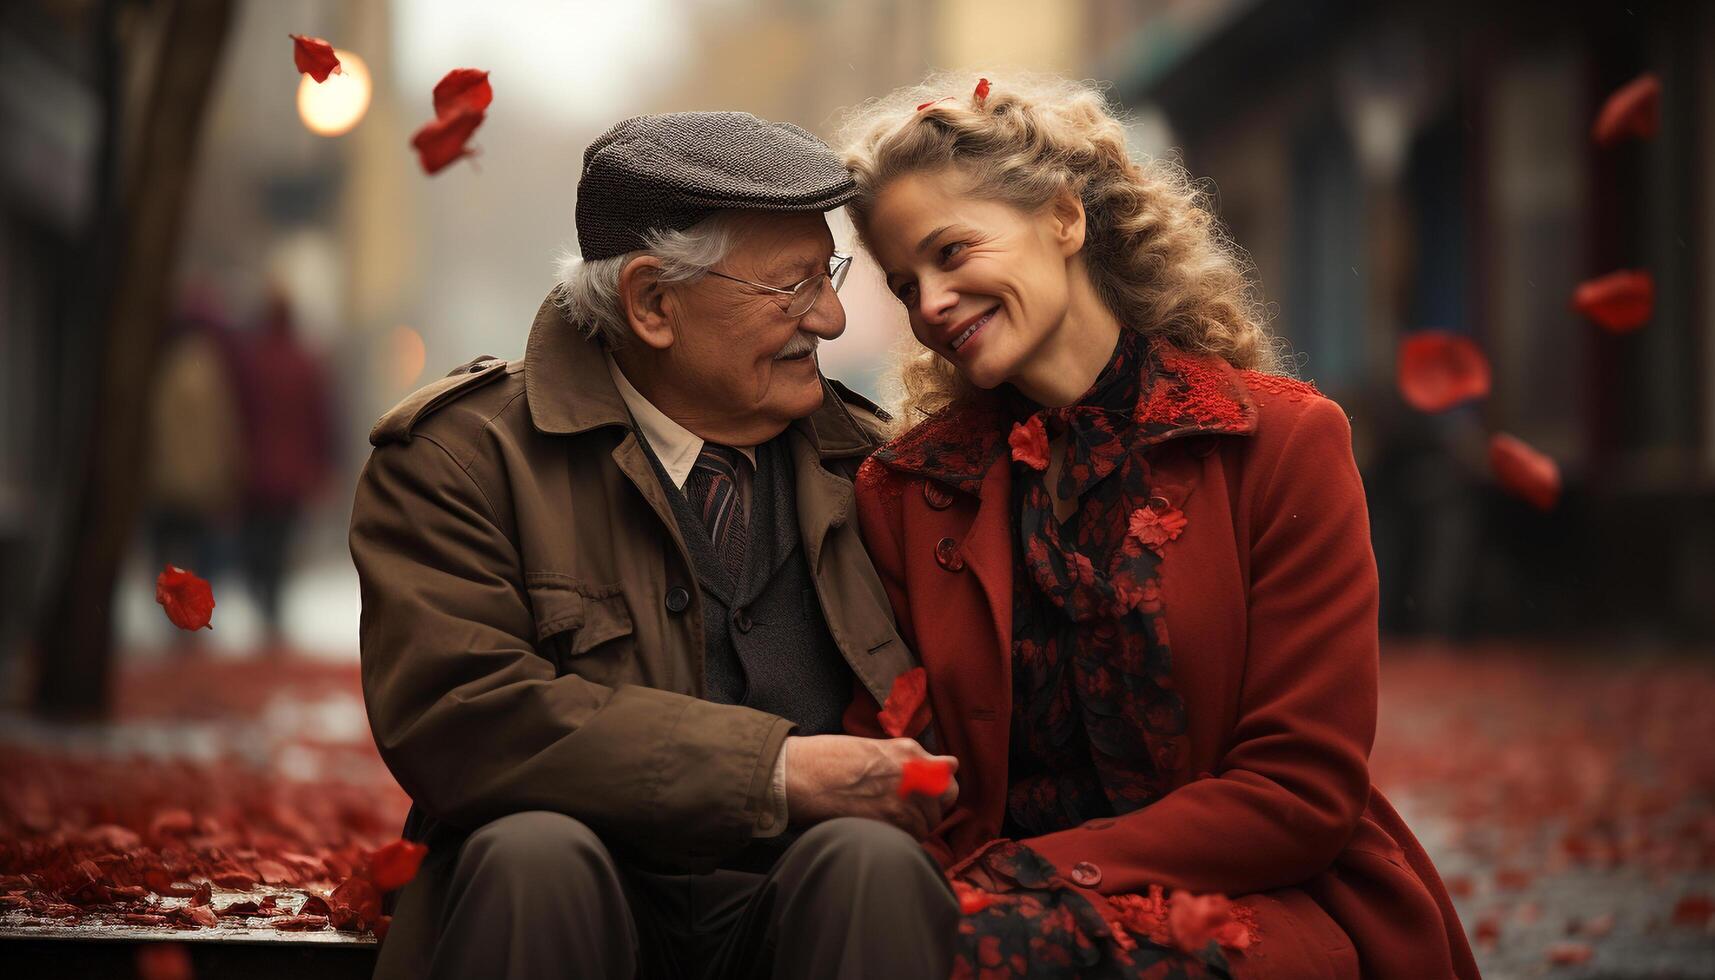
(1029, 442)
(1153, 528)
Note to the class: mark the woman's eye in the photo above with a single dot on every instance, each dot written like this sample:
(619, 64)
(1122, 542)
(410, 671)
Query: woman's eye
(952, 249)
(905, 292)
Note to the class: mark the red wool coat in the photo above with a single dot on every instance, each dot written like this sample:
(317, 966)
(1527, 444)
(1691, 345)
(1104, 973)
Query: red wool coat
(1270, 600)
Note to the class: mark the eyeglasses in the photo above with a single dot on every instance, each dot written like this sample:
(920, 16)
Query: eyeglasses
(804, 294)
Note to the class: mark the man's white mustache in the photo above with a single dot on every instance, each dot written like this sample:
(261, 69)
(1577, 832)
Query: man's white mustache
(800, 344)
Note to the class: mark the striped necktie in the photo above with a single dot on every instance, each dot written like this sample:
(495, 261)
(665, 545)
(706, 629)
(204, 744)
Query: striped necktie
(713, 489)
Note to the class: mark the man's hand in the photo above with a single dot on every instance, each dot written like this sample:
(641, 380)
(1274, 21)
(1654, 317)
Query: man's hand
(831, 776)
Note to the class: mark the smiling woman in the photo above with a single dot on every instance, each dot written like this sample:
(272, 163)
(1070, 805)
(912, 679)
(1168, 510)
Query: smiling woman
(1159, 677)
(1040, 165)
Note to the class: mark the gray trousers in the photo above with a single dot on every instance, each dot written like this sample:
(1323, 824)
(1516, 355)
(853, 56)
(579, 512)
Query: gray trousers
(538, 895)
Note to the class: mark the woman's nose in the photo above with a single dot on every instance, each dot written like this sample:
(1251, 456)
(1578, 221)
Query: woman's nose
(935, 301)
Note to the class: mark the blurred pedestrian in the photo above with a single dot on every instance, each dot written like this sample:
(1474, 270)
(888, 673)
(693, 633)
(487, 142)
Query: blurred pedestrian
(196, 455)
(288, 432)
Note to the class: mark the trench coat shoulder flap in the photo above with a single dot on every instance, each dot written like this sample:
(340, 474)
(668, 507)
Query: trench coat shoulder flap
(396, 425)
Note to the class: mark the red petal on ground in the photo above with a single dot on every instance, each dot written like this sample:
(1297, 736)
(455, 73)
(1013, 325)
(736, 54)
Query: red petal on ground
(300, 923)
(925, 777)
(355, 903)
(462, 88)
(1634, 110)
(1570, 954)
(906, 711)
(1437, 370)
(1512, 879)
(163, 961)
(1524, 472)
(188, 600)
(1619, 302)
(314, 57)
(1594, 928)
(274, 873)
(1693, 910)
(982, 91)
(233, 879)
(442, 141)
(393, 864)
(171, 822)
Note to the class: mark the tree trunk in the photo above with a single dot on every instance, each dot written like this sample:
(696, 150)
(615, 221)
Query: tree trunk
(179, 43)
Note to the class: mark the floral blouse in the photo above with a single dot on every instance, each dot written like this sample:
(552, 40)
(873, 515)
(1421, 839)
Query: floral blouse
(1096, 724)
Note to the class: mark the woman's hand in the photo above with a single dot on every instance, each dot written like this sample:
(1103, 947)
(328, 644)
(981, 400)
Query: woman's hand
(830, 776)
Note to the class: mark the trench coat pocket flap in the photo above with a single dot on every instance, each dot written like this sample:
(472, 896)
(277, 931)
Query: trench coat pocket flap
(605, 618)
(593, 616)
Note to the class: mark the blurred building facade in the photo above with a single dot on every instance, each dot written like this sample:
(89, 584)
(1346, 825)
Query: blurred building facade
(1389, 166)
(1409, 164)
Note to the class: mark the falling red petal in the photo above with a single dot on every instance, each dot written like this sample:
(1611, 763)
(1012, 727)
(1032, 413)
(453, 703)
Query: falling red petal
(1619, 301)
(925, 777)
(314, 57)
(1524, 472)
(1634, 111)
(188, 600)
(982, 91)
(462, 88)
(442, 141)
(906, 711)
(392, 865)
(1437, 370)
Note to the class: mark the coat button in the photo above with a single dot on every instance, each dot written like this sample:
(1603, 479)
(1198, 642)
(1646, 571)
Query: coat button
(1159, 504)
(947, 553)
(742, 620)
(1086, 874)
(677, 599)
(937, 496)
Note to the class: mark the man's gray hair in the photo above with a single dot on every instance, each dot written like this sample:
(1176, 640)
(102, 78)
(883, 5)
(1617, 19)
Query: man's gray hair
(588, 290)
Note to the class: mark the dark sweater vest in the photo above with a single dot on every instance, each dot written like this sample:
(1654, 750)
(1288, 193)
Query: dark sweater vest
(766, 643)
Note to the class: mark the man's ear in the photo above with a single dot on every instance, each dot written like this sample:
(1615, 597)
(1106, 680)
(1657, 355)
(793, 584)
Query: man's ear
(644, 299)
(1066, 222)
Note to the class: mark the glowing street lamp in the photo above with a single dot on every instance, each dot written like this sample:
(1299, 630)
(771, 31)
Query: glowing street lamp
(332, 107)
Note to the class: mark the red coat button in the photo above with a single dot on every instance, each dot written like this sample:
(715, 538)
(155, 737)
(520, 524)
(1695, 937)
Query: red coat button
(937, 496)
(1086, 875)
(947, 553)
(1159, 504)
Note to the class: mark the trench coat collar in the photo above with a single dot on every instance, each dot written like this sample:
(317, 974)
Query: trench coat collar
(569, 390)
(1183, 394)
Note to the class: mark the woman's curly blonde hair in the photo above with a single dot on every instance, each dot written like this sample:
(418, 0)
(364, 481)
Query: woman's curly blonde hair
(1154, 250)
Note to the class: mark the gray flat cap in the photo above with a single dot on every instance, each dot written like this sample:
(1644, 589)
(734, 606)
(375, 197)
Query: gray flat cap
(671, 171)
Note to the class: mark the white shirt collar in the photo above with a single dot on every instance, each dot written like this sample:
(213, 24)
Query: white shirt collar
(674, 445)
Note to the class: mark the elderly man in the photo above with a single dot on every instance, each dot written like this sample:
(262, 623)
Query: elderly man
(614, 604)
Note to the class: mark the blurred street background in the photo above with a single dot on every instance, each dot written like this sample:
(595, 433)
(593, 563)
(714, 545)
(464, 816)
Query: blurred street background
(215, 275)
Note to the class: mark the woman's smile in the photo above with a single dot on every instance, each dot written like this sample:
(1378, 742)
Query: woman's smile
(971, 329)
